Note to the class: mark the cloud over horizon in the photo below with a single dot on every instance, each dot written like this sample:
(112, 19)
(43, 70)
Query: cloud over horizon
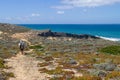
(69, 4)
(35, 14)
(22, 18)
(60, 12)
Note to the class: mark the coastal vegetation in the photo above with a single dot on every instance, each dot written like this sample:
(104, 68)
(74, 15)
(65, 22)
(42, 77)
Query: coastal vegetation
(114, 49)
(63, 58)
(11, 29)
(87, 66)
(2, 63)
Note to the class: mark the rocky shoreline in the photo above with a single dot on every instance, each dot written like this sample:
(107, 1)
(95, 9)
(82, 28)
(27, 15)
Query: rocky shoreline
(49, 33)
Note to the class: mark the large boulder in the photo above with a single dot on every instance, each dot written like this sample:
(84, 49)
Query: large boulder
(105, 66)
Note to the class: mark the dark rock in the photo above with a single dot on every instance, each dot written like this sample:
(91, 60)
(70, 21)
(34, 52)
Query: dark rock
(102, 74)
(49, 33)
(72, 61)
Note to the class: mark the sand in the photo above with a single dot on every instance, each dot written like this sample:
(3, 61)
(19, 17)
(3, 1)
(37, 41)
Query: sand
(25, 68)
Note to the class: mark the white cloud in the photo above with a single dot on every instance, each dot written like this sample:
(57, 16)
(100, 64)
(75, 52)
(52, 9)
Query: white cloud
(84, 10)
(14, 18)
(68, 4)
(60, 12)
(8, 18)
(22, 18)
(63, 7)
(35, 14)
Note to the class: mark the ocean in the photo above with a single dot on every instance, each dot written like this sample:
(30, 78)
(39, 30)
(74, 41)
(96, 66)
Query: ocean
(106, 31)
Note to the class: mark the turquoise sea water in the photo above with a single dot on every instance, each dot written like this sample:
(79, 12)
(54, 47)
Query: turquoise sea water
(107, 31)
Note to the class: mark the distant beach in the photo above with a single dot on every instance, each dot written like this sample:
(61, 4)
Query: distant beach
(105, 31)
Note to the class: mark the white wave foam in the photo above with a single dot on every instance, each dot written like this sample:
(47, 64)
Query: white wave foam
(110, 39)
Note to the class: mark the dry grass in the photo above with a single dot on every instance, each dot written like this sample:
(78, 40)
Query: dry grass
(113, 74)
(44, 64)
(77, 78)
(48, 58)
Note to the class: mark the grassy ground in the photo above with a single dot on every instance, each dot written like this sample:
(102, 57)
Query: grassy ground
(81, 62)
(115, 50)
(59, 54)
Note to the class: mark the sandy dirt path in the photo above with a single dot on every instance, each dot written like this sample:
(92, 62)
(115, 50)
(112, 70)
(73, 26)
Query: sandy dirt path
(25, 68)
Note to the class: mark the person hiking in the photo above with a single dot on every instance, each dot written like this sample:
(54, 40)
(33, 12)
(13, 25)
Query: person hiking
(22, 46)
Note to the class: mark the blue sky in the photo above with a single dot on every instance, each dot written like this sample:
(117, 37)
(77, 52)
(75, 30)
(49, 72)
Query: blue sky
(60, 11)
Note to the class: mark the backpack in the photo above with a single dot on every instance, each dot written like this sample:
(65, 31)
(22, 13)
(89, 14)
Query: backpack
(22, 45)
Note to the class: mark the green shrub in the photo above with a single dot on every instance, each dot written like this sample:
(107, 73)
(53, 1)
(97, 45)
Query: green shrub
(113, 75)
(58, 70)
(36, 47)
(2, 63)
(7, 75)
(115, 50)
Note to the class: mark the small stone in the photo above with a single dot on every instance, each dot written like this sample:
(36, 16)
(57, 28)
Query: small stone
(99, 73)
(100, 66)
(117, 69)
(102, 74)
(110, 67)
(73, 61)
(78, 74)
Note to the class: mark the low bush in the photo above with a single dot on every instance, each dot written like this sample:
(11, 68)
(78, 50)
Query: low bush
(113, 75)
(78, 78)
(7, 75)
(36, 47)
(115, 50)
(2, 63)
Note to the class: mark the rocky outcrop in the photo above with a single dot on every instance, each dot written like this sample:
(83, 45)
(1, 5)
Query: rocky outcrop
(49, 33)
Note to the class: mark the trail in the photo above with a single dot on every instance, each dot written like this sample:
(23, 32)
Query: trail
(25, 68)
